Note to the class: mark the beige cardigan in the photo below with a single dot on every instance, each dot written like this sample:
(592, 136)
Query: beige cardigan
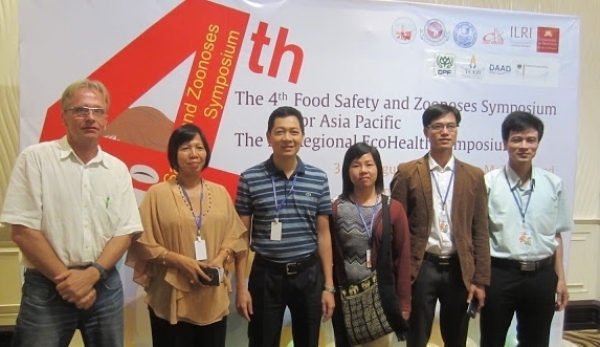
(169, 225)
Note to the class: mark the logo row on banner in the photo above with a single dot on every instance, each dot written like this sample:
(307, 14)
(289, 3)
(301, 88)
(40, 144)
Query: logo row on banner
(435, 32)
(493, 68)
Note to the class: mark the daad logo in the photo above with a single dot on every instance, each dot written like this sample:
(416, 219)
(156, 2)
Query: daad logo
(493, 38)
(464, 34)
(404, 30)
(444, 65)
(499, 69)
(434, 32)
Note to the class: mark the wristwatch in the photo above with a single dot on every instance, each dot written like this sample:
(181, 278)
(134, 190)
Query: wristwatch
(330, 289)
(100, 269)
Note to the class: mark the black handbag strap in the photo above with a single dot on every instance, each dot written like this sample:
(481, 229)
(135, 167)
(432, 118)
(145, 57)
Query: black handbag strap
(338, 254)
(384, 258)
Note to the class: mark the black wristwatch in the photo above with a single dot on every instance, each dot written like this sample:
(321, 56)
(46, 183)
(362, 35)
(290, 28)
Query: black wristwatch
(101, 270)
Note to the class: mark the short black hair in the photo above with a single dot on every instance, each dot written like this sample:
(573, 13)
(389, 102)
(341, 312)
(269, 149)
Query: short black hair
(181, 135)
(436, 111)
(519, 121)
(282, 112)
(356, 151)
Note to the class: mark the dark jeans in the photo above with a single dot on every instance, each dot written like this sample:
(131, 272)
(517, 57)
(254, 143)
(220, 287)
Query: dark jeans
(531, 294)
(182, 334)
(45, 319)
(443, 282)
(271, 292)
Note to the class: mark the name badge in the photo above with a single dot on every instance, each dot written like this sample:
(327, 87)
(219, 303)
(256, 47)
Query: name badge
(200, 247)
(276, 227)
(369, 264)
(443, 223)
(525, 237)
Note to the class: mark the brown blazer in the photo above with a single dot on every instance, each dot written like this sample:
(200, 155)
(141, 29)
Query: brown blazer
(412, 187)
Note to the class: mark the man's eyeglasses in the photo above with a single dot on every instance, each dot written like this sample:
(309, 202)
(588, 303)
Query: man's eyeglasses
(451, 127)
(83, 111)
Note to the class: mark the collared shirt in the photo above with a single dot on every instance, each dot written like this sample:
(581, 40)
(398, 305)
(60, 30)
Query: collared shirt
(546, 215)
(309, 198)
(78, 207)
(440, 242)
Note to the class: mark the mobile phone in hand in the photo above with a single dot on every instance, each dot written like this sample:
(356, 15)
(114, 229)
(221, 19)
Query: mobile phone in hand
(213, 274)
(472, 308)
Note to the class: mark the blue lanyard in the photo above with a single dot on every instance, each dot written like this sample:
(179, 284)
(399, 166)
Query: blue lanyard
(198, 218)
(280, 204)
(368, 229)
(437, 187)
(512, 191)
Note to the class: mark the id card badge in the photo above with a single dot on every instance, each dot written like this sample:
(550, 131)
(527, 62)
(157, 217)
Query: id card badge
(200, 247)
(525, 237)
(276, 227)
(369, 264)
(443, 223)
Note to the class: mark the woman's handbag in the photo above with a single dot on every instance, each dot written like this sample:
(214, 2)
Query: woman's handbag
(370, 308)
(364, 318)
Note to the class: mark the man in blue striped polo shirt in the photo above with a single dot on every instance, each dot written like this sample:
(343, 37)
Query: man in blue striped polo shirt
(285, 204)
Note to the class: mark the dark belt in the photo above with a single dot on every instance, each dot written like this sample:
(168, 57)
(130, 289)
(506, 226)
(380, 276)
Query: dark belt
(75, 267)
(441, 260)
(287, 268)
(522, 265)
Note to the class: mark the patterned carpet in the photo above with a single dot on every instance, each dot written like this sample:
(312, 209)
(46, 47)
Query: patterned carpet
(580, 338)
(583, 338)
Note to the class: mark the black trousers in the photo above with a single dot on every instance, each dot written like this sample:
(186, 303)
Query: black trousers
(273, 291)
(531, 294)
(182, 334)
(337, 321)
(443, 282)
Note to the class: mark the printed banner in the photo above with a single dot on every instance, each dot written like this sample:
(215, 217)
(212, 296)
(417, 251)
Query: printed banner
(357, 70)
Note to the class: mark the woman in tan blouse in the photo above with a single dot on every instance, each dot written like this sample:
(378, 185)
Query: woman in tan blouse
(189, 224)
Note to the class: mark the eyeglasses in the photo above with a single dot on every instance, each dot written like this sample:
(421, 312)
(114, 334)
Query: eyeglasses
(83, 111)
(451, 127)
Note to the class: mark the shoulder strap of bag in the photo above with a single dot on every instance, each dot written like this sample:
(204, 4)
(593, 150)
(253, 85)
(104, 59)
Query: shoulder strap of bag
(384, 258)
(339, 271)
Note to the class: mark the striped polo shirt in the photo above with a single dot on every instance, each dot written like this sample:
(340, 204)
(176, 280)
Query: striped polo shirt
(309, 198)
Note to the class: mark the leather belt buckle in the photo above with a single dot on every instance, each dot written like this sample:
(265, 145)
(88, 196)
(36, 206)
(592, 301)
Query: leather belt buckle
(528, 265)
(291, 268)
(444, 262)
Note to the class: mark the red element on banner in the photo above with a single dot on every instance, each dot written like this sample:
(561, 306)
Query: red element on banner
(214, 33)
(548, 39)
(261, 39)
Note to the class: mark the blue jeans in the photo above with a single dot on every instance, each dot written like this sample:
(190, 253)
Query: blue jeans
(45, 319)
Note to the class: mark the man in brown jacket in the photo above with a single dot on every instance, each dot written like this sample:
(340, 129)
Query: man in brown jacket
(446, 204)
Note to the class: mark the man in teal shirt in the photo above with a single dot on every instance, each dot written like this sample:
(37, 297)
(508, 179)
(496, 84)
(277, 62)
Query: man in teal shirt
(527, 214)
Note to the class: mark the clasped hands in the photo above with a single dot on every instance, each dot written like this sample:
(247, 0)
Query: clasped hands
(77, 286)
